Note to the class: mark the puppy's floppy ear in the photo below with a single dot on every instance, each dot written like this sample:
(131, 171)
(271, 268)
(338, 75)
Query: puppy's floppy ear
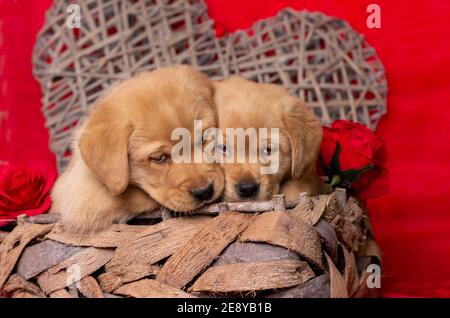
(104, 147)
(305, 135)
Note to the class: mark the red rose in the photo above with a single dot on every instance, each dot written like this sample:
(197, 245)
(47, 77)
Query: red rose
(354, 157)
(24, 190)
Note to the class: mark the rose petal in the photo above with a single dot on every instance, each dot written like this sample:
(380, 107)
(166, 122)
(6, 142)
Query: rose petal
(378, 186)
(25, 190)
(360, 147)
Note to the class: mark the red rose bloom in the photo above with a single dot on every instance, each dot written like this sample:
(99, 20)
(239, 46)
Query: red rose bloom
(24, 190)
(361, 158)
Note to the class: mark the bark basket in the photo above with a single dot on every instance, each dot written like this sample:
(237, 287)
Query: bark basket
(314, 247)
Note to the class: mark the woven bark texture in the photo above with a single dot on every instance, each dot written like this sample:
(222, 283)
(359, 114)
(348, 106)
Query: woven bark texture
(277, 253)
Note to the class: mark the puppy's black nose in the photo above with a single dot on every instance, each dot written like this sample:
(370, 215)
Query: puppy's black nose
(203, 194)
(247, 189)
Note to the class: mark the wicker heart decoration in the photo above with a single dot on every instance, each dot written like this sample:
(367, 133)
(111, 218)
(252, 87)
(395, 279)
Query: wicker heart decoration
(319, 58)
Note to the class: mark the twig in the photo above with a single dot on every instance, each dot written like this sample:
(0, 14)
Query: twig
(212, 209)
(276, 204)
(43, 218)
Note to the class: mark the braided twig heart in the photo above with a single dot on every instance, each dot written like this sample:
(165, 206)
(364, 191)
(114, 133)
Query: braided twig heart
(319, 58)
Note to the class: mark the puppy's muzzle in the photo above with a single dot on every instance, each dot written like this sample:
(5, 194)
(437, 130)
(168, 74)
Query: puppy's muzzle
(203, 194)
(247, 189)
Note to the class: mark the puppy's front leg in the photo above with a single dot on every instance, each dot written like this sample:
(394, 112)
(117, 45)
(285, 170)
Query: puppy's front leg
(85, 205)
(98, 214)
(309, 183)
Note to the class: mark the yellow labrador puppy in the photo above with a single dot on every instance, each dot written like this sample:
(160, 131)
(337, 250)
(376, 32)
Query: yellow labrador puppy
(246, 104)
(122, 163)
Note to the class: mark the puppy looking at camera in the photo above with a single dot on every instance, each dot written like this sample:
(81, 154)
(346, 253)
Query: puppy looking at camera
(245, 104)
(121, 164)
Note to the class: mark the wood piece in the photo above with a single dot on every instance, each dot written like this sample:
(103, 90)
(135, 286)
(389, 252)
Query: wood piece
(21, 219)
(111, 237)
(73, 290)
(89, 288)
(155, 243)
(310, 209)
(210, 210)
(363, 290)
(150, 288)
(12, 247)
(165, 215)
(350, 272)
(283, 229)
(278, 202)
(353, 211)
(238, 252)
(328, 238)
(37, 258)
(304, 203)
(365, 222)
(61, 293)
(216, 208)
(318, 287)
(250, 207)
(349, 234)
(243, 277)
(73, 269)
(16, 283)
(111, 280)
(372, 249)
(3, 235)
(333, 208)
(23, 294)
(341, 196)
(338, 287)
(50, 218)
(203, 248)
(107, 295)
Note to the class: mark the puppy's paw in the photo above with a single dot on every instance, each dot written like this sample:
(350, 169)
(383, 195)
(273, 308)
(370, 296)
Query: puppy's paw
(82, 223)
(77, 227)
(293, 188)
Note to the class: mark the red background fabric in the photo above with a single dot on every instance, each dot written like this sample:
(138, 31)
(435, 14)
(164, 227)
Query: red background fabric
(412, 222)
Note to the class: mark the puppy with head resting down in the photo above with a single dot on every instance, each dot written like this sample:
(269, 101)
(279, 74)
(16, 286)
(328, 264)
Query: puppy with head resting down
(246, 104)
(121, 164)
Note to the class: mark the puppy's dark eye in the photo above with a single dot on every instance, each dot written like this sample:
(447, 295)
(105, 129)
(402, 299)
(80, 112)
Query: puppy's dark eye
(160, 158)
(222, 149)
(267, 151)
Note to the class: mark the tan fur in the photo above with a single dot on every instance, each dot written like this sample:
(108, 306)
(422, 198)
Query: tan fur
(110, 177)
(242, 103)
